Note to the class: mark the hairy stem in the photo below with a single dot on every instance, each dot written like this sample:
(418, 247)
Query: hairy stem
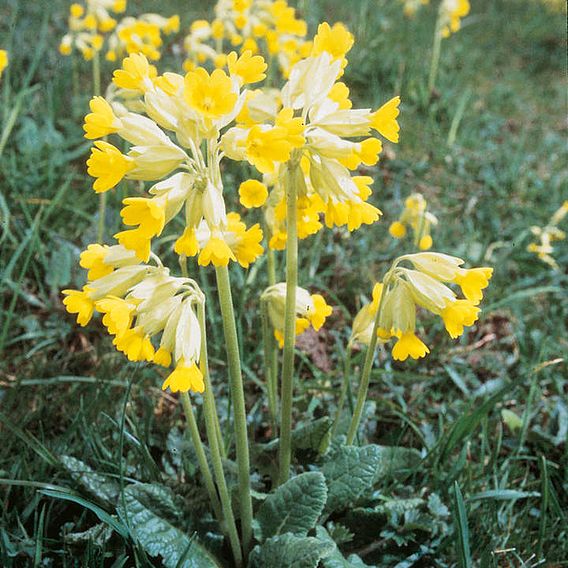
(211, 424)
(287, 381)
(238, 401)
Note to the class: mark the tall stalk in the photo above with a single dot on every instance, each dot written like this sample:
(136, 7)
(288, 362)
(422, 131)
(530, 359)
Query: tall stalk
(201, 457)
(366, 374)
(287, 381)
(211, 424)
(270, 367)
(436, 48)
(238, 401)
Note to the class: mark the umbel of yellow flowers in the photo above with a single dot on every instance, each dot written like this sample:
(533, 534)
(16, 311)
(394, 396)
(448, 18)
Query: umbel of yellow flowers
(176, 144)
(266, 27)
(87, 25)
(140, 302)
(424, 285)
(543, 247)
(416, 218)
(310, 121)
(311, 310)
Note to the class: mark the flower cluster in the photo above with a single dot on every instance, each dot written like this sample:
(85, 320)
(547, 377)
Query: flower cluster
(412, 6)
(176, 143)
(260, 26)
(88, 24)
(138, 303)
(451, 14)
(547, 235)
(416, 218)
(310, 310)
(3, 60)
(302, 133)
(424, 285)
(140, 35)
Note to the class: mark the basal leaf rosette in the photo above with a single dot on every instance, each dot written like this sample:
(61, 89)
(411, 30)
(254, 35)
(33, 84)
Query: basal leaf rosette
(150, 314)
(172, 125)
(422, 285)
(311, 123)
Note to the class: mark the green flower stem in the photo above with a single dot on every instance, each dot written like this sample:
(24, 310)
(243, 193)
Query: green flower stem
(366, 374)
(344, 389)
(270, 371)
(436, 48)
(201, 458)
(102, 196)
(287, 380)
(211, 423)
(238, 401)
(271, 266)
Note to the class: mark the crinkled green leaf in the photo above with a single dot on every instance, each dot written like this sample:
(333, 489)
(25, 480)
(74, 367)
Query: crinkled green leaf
(96, 484)
(396, 460)
(157, 535)
(336, 558)
(351, 471)
(294, 507)
(290, 551)
(349, 475)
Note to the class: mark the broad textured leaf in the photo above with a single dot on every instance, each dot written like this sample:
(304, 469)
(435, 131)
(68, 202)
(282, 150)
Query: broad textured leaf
(96, 484)
(157, 535)
(352, 471)
(294, 507)
(290, 551)
(349, 475)
(336, 558)
(396, 460)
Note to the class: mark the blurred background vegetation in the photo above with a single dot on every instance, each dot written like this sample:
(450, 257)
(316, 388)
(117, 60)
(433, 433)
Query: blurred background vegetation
(487, 150)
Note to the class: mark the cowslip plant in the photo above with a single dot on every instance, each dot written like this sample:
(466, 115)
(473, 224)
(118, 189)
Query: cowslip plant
(178, 133)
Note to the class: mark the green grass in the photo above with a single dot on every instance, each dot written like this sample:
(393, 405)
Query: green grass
(64, 391)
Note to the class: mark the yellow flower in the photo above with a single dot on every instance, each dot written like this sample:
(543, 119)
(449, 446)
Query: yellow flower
(136, 240)
(265, 146)
(149, 214)
(336, 40)
(216, 251)
(135, 344)
(76, 10)
(339, 94)
(3, 60)
(187, 244)
(210, 95)
(472, 281)
(458, 314)
(101, 121)
(185, 378)
(118, 314)
(244, 243)
(249, 68)
(78, 302)
(409, 345)
(320, 312)
(163, 357)
(384, 120)
(108, 165)
(252, 193)
(425, 242)
(136, 73)
(397, 230)
(93, 260)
